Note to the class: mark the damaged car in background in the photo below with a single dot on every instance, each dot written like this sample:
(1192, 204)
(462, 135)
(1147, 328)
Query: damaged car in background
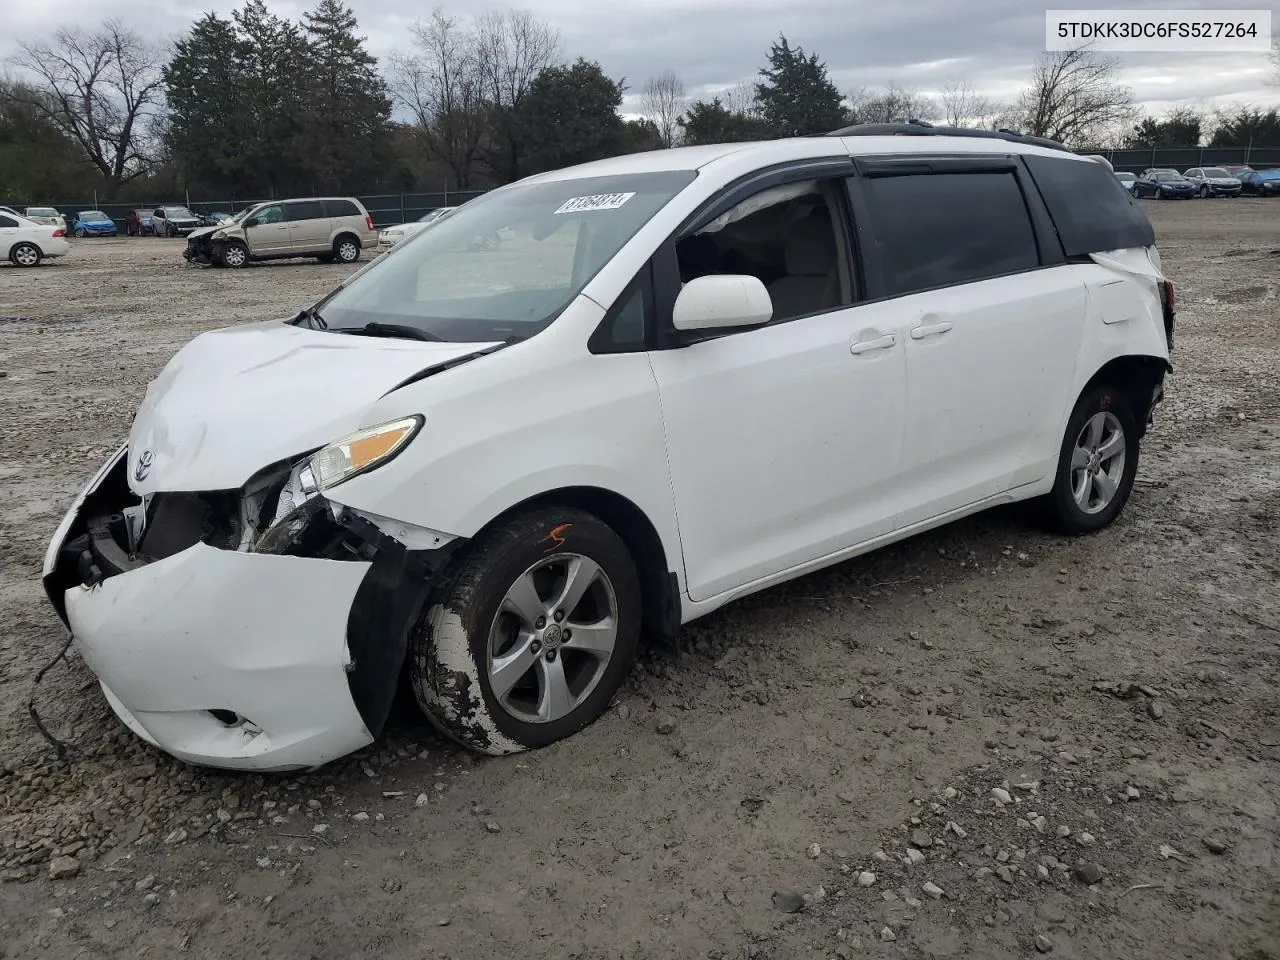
(490, 474)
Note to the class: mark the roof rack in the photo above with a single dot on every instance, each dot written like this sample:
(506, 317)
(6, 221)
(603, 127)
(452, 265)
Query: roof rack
(922, 128)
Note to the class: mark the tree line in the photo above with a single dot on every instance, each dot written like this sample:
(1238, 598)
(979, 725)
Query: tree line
(254, 104)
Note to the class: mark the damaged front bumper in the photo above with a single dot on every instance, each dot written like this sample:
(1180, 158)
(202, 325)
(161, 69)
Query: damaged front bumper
(270, 652)
(201, 249)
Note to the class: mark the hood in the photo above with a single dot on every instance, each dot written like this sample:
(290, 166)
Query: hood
(204, 231)
(233, 401)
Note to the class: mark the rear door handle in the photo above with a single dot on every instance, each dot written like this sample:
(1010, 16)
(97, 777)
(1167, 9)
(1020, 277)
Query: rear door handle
(879, 343)
(930, 330)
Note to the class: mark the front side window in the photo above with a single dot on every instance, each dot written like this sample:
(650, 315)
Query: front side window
(943, 229)
(270, 214)
(788, 237)
(506, 264)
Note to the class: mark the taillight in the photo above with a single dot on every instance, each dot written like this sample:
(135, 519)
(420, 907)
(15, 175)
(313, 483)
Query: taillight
(59, 233)
(368, 219)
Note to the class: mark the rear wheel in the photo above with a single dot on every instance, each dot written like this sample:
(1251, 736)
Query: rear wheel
(25, 255)
(346, 250)
(529, 634)
(80, 233)
(1097, 463)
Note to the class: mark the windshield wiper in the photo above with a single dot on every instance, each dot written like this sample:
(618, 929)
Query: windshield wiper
(312, 318)
(376, 329)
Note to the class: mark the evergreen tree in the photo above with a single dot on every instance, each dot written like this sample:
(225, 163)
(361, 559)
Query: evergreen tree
(797, 98)
(200, 82)
(349, 110)
(570, 115)
(714, 123)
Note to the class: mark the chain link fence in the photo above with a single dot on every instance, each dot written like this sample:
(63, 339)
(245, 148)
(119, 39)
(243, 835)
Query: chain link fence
(386, 209)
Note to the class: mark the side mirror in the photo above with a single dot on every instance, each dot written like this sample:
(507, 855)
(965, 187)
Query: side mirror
(715, 302)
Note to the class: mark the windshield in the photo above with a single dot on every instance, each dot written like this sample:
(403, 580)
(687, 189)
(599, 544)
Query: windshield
(1163, 176)
(1215, 172)
(41, 212)
(172, 212)
(505, 264)
(93, 215)
(433, 215)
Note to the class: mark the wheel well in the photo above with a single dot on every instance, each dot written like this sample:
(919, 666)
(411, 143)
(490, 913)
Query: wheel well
(659, 591)
(348, 235)
(1136, 377)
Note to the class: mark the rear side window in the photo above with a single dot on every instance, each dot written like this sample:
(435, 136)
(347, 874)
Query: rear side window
(7, 221)
(1091, 210)
(943, 229)
(304, 210)
(342, 208)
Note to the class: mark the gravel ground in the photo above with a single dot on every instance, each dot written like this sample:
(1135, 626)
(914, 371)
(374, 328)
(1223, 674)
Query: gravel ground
(982, 742)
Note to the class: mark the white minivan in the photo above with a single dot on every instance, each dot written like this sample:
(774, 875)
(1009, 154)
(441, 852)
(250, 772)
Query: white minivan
(688, 375)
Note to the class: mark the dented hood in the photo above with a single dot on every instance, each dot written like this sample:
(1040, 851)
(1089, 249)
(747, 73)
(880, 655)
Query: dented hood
(233, 401)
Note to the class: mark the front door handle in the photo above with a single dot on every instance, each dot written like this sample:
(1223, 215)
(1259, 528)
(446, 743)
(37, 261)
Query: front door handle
(879, 343)
(930, 330)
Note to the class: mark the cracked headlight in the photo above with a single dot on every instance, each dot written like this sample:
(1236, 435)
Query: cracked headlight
(362, 451)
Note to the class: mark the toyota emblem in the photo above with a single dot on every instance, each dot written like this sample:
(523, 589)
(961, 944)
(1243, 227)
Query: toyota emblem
(144, 465)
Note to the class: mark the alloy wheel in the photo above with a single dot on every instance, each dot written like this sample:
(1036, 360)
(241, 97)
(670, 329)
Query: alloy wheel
(552, 638)
(1097, 462)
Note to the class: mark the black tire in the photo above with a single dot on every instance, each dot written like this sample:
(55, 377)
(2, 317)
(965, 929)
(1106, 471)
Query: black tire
(25, 255)
(234, 254)
(80, 233)
(1062, 510)
(346, 249)
(1204, 193)
(449, 650)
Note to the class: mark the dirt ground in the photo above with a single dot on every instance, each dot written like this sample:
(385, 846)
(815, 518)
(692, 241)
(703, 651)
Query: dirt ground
(984, 742)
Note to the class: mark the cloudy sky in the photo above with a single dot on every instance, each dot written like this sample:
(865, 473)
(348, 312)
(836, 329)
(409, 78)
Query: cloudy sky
(713, 44)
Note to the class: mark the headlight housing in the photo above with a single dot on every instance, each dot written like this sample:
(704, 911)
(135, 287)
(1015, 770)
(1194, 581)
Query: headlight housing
(362, 451)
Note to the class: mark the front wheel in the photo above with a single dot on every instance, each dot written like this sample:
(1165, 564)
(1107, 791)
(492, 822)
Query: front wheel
(529, 634)
(1097, 463)
(25, 255)
(1204, 193)
(234, 255)
(80, 233)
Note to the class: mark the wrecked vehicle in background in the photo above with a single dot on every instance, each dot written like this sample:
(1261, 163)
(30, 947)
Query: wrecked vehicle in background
(492, 471)
(331, 229)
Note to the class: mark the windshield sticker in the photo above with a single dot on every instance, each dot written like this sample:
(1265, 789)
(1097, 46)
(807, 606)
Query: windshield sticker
(601, 201)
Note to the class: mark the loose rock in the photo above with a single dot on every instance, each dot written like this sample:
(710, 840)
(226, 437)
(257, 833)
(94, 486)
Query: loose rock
(921, 839)
(1215, 844)
(1088, 872)
(1001, 796)
(814, 851)
(914, 856)
(61, 868)
(788, 901)
(146, 883)
(666, 724)
(887, 935)
(493, 826)
(177, 836)
(360, 817)
(422, 800)
(1043, 943)
(933, 890)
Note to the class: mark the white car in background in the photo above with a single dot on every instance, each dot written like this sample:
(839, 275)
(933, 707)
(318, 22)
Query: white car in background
(24, 243)
(389, 237)
(46, 216)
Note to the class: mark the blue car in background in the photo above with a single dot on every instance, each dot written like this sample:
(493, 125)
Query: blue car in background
(1261, 183)
(94, 223)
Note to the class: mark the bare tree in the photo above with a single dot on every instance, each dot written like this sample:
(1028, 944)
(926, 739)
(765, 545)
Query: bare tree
(99, 88)
(960, 104)
(663, 102)
(895, 104)
(741, 99)
(1075, 97)
(513, 47)
(442, 85)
